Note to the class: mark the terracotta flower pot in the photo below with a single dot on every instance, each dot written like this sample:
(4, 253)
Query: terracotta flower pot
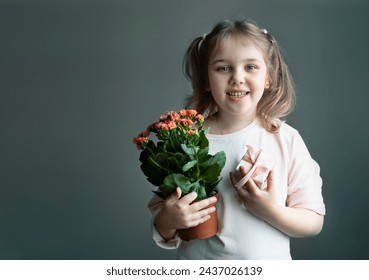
(202, 231)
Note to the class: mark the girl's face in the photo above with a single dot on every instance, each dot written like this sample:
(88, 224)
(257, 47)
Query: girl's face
(237, 77)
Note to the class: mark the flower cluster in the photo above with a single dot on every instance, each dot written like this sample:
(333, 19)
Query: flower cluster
(172, 124)
(179, 158)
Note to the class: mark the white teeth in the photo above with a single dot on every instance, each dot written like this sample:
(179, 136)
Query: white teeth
(237, 94)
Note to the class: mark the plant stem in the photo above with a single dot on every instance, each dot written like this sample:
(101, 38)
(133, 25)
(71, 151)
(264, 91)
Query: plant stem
(197, 165)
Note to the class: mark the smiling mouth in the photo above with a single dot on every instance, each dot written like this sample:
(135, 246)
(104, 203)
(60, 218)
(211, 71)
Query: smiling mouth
(238, 94)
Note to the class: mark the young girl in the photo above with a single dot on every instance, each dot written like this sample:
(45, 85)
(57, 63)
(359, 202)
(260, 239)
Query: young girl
(242, 84)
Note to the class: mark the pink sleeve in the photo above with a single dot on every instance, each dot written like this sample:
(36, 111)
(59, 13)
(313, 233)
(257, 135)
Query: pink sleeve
(304, 181)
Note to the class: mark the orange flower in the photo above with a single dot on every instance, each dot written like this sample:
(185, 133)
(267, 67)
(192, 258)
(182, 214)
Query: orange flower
(169, 121)
(199, 117)
(174, 115)
(183, 113)
(140, 142)
(185, 121)
(169, 116)
(161, 126)
(187, 113)
(171, 125)
(191, 112)
(144, 133)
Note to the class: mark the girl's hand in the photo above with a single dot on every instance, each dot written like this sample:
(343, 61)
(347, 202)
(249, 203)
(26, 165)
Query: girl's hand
(261, 203)
(295, 222)
(178, 213)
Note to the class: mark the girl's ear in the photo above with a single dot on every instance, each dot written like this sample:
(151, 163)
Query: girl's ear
(267, 83)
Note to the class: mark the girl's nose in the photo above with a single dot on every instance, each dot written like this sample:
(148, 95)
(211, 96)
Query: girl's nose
(237, 78)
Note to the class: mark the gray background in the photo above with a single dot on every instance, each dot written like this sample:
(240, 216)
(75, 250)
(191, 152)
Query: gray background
(79, 79)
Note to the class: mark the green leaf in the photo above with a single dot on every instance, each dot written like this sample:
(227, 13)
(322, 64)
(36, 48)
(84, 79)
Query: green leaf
(219, 159)
(211, 174)
(201, 193)
(211, 187)
(191, 151)
(164, 191)
(162, 159)
(175, 180)
(169, 181)
(181, 181)
(154, 174)
(162, 156)
(199, 189)
(203, 154)
(189, 165)
(174, 165)
(170, 145)
(181, 158)
(203, 140)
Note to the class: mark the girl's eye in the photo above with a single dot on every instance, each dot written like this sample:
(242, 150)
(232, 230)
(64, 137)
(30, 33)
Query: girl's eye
(251, 67)
(224, 68)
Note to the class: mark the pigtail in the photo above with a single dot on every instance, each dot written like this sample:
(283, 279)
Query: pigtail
(192, 62)
(195, 70)
(279, 99)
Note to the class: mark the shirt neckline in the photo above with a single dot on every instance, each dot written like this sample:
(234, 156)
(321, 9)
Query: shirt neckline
(233, 134)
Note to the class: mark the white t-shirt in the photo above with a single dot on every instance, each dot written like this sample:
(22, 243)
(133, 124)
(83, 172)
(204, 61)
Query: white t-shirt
(241, 235)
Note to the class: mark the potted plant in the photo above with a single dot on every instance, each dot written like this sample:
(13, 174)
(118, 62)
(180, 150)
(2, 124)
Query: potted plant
(180, 156)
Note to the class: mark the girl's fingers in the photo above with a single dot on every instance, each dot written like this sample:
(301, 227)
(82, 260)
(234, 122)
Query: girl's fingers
(243, 171)
(270, 180)
(243, 193)
(233, 178)
(206, 212)
(189, 198)
(175, 196)
(203, 203)
(251, 186)
(237, 175)
(202, 216)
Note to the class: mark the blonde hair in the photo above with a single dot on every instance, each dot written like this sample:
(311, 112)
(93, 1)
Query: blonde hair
(277, 101)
